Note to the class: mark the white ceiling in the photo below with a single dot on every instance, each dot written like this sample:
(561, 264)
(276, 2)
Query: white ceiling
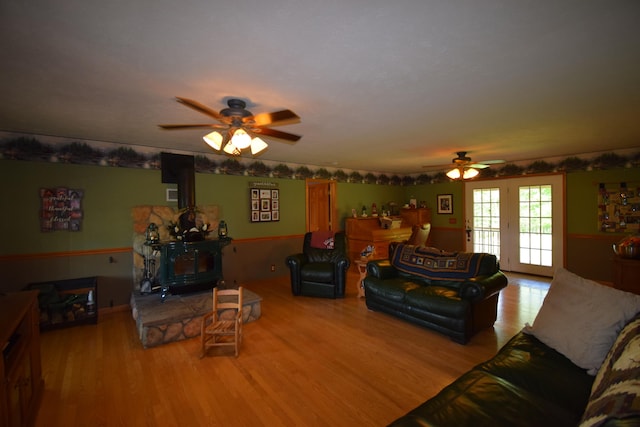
(380, 86)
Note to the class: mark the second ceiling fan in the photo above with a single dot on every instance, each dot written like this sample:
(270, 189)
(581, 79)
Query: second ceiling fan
(237, 127)
(464, 168)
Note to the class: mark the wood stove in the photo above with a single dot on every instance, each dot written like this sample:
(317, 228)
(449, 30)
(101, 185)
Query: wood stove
(191, 266)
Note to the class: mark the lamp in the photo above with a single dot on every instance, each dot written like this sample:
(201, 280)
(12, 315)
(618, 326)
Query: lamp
(222, 229)
(468, 173)
(152, 234)
(231, 149)
(214, 139)
(239, 141)
(257, 145)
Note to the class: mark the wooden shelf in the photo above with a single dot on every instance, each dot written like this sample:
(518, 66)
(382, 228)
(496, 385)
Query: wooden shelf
(21, 381)
(67, 302)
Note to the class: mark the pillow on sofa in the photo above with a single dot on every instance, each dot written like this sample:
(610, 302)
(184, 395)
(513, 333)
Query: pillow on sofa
(419, 234)
(616, 389)
(581, 318)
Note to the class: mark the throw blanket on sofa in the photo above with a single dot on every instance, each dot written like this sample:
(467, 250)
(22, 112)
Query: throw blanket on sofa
(433, 264)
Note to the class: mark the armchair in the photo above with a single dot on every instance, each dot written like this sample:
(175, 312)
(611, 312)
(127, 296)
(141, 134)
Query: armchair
(320, 271)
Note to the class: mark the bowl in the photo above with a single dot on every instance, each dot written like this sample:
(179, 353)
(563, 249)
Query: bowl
(627, 248)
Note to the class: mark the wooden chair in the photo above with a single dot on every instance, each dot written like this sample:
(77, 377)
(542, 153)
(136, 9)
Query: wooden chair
(223, 326)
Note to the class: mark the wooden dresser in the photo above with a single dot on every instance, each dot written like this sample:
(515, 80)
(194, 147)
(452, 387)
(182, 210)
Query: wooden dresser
(626, 274)
(362, 232)
(21, 380)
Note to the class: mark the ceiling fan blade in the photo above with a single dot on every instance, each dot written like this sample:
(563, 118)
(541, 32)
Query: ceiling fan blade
(275, 119)
(277, 134)
(193, 126)
(200, 107)
(492, 162)
(477, 166)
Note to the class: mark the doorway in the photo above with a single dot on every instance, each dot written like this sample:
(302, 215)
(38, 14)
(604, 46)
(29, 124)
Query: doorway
(520, 220)
(320, 198)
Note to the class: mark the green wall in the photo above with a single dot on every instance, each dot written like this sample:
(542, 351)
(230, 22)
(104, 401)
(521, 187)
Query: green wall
(110, 193)
(582, 196)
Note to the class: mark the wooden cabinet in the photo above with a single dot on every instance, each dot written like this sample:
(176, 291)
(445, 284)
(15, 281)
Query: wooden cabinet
(21, 381)
(362, 232)
(415, 216)
(626, 274)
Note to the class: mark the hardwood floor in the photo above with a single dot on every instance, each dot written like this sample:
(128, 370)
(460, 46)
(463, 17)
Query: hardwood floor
(305, 362)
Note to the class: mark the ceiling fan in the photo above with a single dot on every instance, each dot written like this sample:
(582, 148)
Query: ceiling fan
(464, 168)
(238, 128)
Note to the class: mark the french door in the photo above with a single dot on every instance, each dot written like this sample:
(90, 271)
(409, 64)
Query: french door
(520, 220)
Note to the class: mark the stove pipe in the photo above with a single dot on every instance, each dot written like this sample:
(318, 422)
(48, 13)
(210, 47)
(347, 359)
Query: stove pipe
(180, 169)
(186, 188)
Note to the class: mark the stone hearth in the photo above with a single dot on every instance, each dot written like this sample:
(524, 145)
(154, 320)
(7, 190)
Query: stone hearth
(180, 316)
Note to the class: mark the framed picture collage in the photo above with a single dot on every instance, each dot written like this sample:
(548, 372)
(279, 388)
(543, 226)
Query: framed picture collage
(265, 204)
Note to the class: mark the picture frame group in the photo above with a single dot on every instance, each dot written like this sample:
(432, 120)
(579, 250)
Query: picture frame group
(265, 204)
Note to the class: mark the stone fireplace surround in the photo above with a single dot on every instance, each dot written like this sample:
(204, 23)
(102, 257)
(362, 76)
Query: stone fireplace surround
(162, 216)
(179, 316)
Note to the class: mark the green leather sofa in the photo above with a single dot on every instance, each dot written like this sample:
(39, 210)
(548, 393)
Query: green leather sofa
(525, 384)
(577, 365)
(453, 293)
(530, 384)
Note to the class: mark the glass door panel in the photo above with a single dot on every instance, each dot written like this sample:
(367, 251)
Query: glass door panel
(536, 244)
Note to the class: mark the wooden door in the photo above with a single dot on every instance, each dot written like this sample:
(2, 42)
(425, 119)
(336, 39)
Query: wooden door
(320, 201)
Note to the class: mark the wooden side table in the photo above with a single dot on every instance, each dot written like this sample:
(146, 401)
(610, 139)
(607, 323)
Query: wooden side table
(362, 269)
(626, 274)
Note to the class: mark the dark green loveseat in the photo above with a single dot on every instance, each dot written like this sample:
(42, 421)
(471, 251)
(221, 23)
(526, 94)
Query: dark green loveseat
(452, 293)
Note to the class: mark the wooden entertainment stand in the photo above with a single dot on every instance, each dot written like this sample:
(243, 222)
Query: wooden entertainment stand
(362, 232)
(21, 380)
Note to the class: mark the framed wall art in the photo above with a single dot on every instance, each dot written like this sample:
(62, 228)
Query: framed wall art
(61, 209)
(264, 201)
(445, 203)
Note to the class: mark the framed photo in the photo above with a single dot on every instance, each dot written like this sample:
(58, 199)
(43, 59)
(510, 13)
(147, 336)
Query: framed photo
(445, 203)
(265, 216)
(265, 203)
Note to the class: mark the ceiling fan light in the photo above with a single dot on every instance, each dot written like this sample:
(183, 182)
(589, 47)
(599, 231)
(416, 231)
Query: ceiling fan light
(214, 140)
(231, 149)
(257, 145)
(241, 139)
(470, 173)
(454, 173)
